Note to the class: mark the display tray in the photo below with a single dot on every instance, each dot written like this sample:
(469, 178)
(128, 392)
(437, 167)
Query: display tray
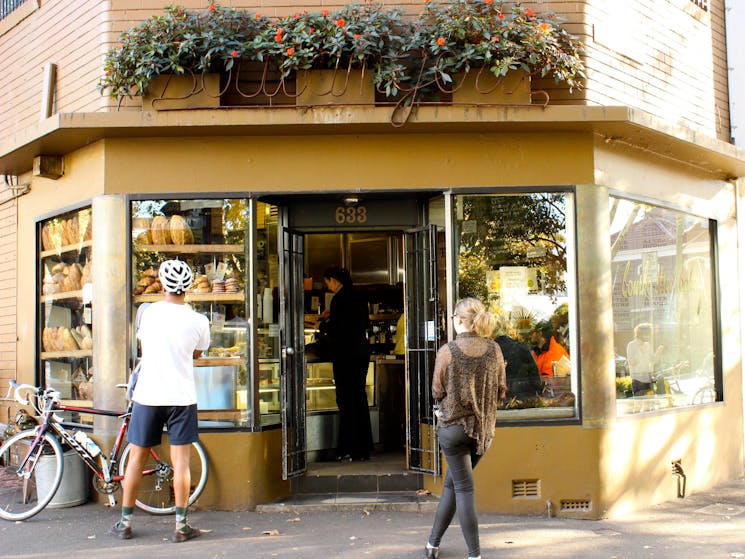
(537, 413)
(218, 361)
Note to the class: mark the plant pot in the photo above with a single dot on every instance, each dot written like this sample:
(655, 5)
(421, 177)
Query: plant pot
(334, 87)
(171, 92)
(480, 86)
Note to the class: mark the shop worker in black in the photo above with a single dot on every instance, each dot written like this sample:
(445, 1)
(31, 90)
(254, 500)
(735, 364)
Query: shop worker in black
(346, 325)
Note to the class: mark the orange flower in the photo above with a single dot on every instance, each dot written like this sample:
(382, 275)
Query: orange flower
(441, 41)
(495, 39)
(297, 16)
(211, 7)
(234, 54)
(257, 16)
(545, 27)
(501, 15)
(340, 22)
(357, 36)
(324, 12)
(489, 2)
(529, 13)
(290, 51)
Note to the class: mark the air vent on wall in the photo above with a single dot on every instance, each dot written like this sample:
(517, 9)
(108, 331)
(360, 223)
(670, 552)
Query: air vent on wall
(526, 488)
(575, 505)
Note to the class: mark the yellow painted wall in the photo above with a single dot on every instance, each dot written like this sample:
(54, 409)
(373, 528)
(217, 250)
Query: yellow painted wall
(245, 469)
(345, 162)
(82, 180)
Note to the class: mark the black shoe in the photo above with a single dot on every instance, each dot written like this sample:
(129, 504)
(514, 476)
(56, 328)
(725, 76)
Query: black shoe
(121, 532)
(431, 552)
(186, 533)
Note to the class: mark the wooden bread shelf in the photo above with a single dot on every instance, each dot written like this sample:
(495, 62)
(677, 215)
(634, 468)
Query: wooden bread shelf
(76, 294)
(66, 248)
(79, 353)
(219, 361)
(190, 249)
(195, 297)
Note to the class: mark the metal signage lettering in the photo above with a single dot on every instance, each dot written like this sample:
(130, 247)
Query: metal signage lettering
(367, 213)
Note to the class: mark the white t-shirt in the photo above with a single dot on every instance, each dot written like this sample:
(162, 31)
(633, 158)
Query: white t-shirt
(641, 360)
(169, 334)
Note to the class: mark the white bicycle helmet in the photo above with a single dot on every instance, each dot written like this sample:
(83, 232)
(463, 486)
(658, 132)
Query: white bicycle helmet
(175, 276)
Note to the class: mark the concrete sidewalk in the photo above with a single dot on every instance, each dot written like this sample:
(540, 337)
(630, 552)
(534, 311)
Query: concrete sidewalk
(701, 526)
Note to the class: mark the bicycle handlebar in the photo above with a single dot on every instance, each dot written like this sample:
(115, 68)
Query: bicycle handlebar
(17, 389)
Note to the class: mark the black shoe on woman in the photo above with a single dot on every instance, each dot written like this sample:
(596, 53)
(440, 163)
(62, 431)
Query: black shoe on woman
(431, 552)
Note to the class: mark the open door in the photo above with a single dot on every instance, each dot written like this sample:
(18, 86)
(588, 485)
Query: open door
(422, 336)
(292, 343)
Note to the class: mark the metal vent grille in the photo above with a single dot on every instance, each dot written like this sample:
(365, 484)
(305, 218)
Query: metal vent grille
(526, 488)
(576, 505)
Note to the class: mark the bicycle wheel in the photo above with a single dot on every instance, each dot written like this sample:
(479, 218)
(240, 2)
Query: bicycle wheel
(156, 490)
(25, 492)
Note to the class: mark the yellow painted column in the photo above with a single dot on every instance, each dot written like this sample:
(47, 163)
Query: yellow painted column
(110, 298)
(595, 307)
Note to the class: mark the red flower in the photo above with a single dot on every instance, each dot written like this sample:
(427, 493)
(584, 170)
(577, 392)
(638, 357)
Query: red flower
(324, 12)
(257, 16)
(357, 36)
(234, 54)
(441, 41)
(501, 15)
(529, 13)
(290, 51)
(495, 39)
(489, 2)
(297, 16)
(211, 7)
(312, 29)
(340, 22)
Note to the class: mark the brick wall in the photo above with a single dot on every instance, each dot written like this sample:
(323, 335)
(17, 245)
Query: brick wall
(8, 244)
(666, 57)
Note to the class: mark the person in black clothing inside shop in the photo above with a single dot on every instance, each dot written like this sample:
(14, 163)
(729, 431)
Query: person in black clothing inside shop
(523, 380)
(346, 324)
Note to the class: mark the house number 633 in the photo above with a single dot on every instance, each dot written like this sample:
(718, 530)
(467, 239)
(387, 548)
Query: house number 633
(350, 214)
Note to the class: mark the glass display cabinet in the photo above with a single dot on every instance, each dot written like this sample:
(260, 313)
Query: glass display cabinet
(210, 235)
(65, 337)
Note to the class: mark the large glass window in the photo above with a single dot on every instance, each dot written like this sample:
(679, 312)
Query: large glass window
(211, 236)
(663, 307)
(513, 252)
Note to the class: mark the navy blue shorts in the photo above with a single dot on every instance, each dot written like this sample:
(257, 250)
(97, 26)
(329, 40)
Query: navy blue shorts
(146, 425)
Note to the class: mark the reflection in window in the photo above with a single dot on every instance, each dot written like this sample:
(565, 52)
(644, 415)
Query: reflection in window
(662, 308)
(512, 254)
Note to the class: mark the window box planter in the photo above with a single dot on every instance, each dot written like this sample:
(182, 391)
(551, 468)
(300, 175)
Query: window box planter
(187, 91)
(479, 86)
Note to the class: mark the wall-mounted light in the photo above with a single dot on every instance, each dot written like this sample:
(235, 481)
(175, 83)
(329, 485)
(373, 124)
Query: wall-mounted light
(351, 200)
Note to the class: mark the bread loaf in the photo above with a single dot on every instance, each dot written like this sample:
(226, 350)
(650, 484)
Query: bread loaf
(159, 230)
(180, 232)
(68, 342)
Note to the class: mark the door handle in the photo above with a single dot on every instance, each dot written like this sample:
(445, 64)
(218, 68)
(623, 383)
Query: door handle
(289, 351)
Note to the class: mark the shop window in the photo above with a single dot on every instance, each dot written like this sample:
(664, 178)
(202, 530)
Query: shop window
(266, 308)
(211, 236)
(513, 253)
(65, 314)
(663, 308)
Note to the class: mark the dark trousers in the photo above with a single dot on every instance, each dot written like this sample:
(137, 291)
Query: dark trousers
(355, 430)
(457, 492)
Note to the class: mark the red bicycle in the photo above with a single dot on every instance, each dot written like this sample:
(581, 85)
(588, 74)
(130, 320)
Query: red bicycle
(32, 461)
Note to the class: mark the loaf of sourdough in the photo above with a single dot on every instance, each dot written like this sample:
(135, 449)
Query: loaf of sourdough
(159, 230)
(180, 231)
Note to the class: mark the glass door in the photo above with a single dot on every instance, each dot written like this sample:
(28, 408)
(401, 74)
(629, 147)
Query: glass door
(292, 343)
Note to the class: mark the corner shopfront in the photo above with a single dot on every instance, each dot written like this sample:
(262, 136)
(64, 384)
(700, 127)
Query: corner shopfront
(636, 238)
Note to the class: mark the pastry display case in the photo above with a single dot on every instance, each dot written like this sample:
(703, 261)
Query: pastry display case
(210, 235)
(65, 336)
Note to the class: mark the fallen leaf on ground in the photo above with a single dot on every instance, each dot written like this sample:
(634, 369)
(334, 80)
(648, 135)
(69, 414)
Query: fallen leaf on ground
(296, 519)
(205, 531)
(423, 492)
(270, 533)
(247, 527)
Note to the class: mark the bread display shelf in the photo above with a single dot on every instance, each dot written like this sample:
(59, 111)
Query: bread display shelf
(195, 297)
(79, 353)
(77, 247)
(219, 361)
(191, 249)
(77, 294)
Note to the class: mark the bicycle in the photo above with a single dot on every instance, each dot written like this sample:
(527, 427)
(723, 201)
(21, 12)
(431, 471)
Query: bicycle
(32, 461)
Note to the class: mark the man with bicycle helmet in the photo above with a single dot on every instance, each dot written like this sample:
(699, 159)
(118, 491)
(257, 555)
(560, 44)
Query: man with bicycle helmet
(172, 335)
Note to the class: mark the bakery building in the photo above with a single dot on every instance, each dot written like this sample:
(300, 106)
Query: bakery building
(582, 219)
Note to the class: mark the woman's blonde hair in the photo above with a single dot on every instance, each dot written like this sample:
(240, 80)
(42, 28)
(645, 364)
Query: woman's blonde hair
(476, 317)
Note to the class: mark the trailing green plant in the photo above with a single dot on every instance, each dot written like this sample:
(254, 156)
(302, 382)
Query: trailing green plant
(444, 39)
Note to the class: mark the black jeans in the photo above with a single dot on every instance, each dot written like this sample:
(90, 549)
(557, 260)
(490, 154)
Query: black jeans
(355, 429)
(457, 492)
